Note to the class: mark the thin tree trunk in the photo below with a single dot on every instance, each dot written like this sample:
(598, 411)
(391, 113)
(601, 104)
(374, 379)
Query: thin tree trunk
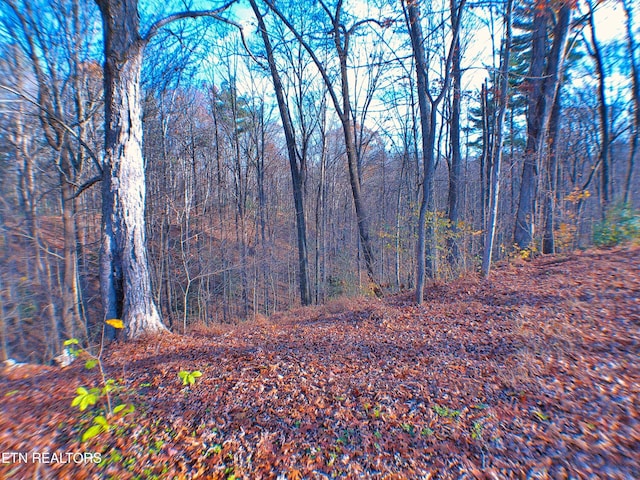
(295, 168)
(341, 37)
(635, 89)
(603, 111)
(524, 229)
(455, 180)
(428, 112)
(74, 327)
(428, 135)
(548, 240)
(485, 156)
(503, 100)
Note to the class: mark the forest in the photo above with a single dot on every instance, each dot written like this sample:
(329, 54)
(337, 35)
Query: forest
(295, 239)
(205, 163)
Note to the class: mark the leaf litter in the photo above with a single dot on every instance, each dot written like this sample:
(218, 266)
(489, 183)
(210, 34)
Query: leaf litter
(530, 374)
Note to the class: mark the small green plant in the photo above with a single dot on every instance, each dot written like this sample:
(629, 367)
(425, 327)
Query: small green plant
(91, 397)
(426, 432)
(446, 411)
(189, 378)
(476, 431)
(410, 429)
(621, 224)
(86, 398)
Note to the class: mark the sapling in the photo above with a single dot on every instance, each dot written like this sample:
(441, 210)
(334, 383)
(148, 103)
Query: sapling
(90, 397)
(189, 378)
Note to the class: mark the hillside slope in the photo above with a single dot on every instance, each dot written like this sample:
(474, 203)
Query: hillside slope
(533, 373)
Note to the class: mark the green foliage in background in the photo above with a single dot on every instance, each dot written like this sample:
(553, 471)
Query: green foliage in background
(621, 225)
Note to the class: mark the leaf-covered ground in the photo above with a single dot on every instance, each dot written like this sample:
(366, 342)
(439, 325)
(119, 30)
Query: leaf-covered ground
(532, 374)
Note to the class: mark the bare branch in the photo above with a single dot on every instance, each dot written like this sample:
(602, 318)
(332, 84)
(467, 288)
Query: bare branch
(182, 15)
(89, 183)
(66, 127)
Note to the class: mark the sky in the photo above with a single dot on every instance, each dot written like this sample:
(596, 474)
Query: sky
(477, 47)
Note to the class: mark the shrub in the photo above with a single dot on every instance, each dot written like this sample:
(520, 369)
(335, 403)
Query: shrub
(621, 225)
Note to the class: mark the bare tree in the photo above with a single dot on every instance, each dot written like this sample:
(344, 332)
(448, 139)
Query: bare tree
(341, 36)
(428, 116)
(595, 51)
(496, 163)
(455, 164)
(66, 100)
(296, 161)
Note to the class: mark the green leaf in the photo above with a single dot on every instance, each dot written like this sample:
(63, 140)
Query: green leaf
(107, 388)
(183, 374)
(91, 363)
(100, 420)
(119, 408)
(115, 322)
(11, 393)
(196, 374)
(71, 341)
(85, 398)
(91, 432)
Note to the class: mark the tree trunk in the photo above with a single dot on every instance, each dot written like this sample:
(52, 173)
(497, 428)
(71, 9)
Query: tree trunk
(74, 327)
(635, 86)
(455, 171)
(503, 101)
(428, 134)
(296, 176)
(548, 239)
(603, 112)
(343, 108)
(428, 112)
(125, 278)
(543, 86)
(342, 45)
(524, 230)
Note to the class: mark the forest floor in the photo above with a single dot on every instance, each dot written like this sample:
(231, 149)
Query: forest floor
(531, 374)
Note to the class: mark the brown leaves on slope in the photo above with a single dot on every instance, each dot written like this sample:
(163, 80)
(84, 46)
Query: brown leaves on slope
(531, 374)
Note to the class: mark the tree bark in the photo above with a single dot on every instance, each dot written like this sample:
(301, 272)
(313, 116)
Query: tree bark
(125, 278)
(543, 82)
